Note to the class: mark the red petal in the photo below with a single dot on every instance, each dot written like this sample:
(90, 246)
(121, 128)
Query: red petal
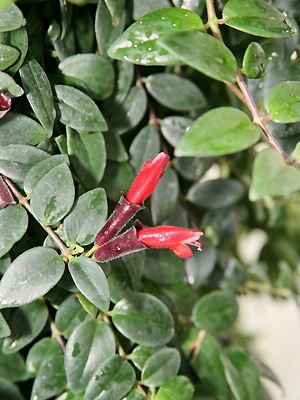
(147, 179)
(168, 236)
(182, 250)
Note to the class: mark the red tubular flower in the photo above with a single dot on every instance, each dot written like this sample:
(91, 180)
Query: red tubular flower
(5, 104)
(147, 179)
(5, 195)
(171, 237)
(141, 188)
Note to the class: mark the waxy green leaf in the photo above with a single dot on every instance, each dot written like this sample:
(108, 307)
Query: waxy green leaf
(69, 315)
(87, 217)
(143, 319)
(11, 17)
(40, 352)
(90, 345)
(39, 94)
(283, 102)
(253, 61)
(91, 281)
(258, 18)
(179, 388)
(17, 39)
(8, 56)
(202, 52)
(53, 195)
(14, 222)
(145, 146)
(30, 276)
(223, 130)
(139, 43)
(9, 86)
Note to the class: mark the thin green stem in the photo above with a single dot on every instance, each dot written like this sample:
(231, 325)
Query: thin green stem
(65, 251)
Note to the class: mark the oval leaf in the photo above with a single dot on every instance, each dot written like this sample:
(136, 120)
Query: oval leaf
(87, 217)
(90, 345)
(25, 324)
(8, 56)
(161, 367)
(283, 102)
(223, 130)
(175, 92)
(30, 276)
(91, 281)
(145, 146)
(90, 72)
(53, 195)
(139, 43)
(113, 380)
(202, 52)
(179, 388)
(11, 17)
(258, 18)
(13, 224)
(253, 61)
(78, 110)
(216, 311)
(143, 319)
(39, 94)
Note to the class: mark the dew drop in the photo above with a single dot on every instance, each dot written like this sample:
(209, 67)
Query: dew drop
(163, 18)
(13, 345)
(149, 48)
(174, 25)
(141, 22)
(118, 248)
(135, 45)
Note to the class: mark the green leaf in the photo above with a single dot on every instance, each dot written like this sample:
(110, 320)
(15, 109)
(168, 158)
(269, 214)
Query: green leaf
(69, 315)
(173, 128)
(283, 102)
(13, 224)
(39, 94)
(18, 39)
(115, 148)
(128, 114)
(117, 179)
(88, 156)
(253, 61)
(41, 352)
(202, 52)
(270, 167)
(144, 146)
(116, 9)
(144, 319)
(139, 43)
(91, 281)
(92, 73)
(11, 17)
(209, 368)
(163, 267)
(175, 92)
(216, 311)
(232, 132)
(53, 195)
(9, 86)
(234, 380)
(87, 217)
(12, 367)
(106, 31)
(8, 56)
(179, 388)
(248, 373)
(201, 265)
(258, 18)
(19, 129)
(4, 329)
(25, 324)
(111, 381)
(90, 345)
(164, 199)
(124, 81)
(79, 111)
(216, 193)
(51, 378)
(135, 395)
(30, 276)
(140, 355)
(39, 170)
(143, 7)
(161, 367)
(9, 391)
(17, 159)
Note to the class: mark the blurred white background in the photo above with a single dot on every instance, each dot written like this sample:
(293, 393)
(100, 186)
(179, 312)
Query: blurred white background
(276, 327)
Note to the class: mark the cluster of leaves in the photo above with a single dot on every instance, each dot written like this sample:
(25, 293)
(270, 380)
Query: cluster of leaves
(84, 118)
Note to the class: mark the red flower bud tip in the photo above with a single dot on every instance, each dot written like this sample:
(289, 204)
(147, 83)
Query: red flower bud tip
(171, 237)
(147, 179)
(5, 104)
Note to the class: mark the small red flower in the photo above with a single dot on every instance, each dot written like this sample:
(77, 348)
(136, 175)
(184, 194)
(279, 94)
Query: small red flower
(147, 179)
(171, 237)
(5, 104)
